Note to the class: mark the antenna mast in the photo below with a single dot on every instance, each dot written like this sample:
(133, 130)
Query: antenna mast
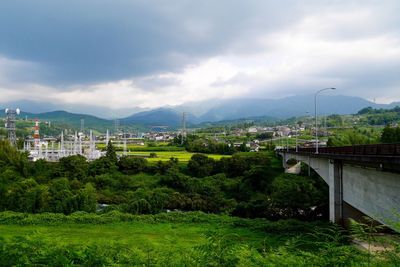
(36, 135)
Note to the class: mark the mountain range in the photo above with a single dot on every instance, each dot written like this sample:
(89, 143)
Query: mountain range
(208, 111)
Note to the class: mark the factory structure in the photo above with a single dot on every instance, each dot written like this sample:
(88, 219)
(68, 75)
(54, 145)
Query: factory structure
(79, 143)
(53, 149)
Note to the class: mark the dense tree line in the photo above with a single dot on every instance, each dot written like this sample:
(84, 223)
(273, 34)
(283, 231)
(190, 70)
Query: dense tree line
(391, 134)
(194, 143)
(246, 184)
(354, 136)
(373, 116)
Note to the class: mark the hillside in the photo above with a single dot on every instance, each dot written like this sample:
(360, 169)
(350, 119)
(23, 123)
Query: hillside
(159, 117)
(68, 119)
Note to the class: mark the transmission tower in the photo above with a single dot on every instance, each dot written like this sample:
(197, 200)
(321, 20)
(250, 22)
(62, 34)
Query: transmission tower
(116, 126)
(183, 133)
(11, 115)
(82, 125)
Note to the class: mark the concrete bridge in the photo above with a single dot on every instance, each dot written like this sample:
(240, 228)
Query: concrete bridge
(362, 180)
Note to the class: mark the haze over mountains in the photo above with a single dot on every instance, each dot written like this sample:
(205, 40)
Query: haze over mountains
(206, 111)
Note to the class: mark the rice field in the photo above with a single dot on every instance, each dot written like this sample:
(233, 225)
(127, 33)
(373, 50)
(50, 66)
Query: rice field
(182, 156)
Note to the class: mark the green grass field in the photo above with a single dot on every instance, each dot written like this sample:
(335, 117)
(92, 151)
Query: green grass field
(173, 239)
(168, 231)
(160, 236)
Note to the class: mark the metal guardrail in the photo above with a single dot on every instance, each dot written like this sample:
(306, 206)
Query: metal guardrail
(358, 150)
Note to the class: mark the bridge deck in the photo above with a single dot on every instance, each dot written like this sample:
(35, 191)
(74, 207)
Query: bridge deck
(378, 153)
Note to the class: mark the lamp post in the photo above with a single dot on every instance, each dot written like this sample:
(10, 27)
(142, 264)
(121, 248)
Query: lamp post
(316, 118)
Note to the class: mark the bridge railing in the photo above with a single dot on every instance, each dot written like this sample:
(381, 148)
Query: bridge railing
(366, 150)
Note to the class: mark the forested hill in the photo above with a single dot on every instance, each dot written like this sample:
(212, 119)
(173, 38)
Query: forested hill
(380, 116)
(71, 120)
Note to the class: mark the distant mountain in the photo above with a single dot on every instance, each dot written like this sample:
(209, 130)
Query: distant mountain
(159, 117)
(97, 111)
(287, 107)
(209, 111)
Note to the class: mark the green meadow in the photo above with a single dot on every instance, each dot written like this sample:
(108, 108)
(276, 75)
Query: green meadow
(174, 239)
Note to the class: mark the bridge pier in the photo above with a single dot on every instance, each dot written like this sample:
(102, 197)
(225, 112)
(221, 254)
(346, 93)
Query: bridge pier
(335, 182)
(362, 180)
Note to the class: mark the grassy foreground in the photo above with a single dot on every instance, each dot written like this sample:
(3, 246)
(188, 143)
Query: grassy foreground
(173, 239)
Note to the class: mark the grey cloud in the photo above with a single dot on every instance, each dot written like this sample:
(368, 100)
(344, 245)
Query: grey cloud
(73, 43)
(155, 83)
(93, 41)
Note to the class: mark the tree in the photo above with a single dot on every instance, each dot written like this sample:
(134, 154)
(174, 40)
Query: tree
(27, 196)
(267, 135)
(241, 162)
(11, 158)
(61, 197)
(132, 165)
(110, 152)
(74, 167)
(102, 165)
(257, 178)
(390, 134)
(295, 196)
(86, 199)
(200, 165)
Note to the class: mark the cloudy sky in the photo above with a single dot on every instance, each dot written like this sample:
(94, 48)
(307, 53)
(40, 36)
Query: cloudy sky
(143, 53)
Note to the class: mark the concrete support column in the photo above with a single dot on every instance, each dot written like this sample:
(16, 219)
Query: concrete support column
(284, 159)
(335, 191)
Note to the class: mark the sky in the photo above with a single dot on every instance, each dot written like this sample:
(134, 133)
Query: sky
(143, 53)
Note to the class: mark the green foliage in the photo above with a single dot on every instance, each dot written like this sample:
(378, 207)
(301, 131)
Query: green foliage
(390, 134)
(200, 165)
(297, 196)
(61, 197)
(12, 159)
(111, 155)
(240, 185)
(239, 163)
(102, 165)
(86, 198)
(263, 136)
(379, 116)
(353, 137)
(365, 232)
(132, 165)
(74, 167)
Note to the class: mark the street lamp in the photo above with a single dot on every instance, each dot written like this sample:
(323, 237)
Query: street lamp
(316, 119)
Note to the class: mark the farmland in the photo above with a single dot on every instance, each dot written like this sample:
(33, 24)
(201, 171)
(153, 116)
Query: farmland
(161, 151)
(182, 156)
